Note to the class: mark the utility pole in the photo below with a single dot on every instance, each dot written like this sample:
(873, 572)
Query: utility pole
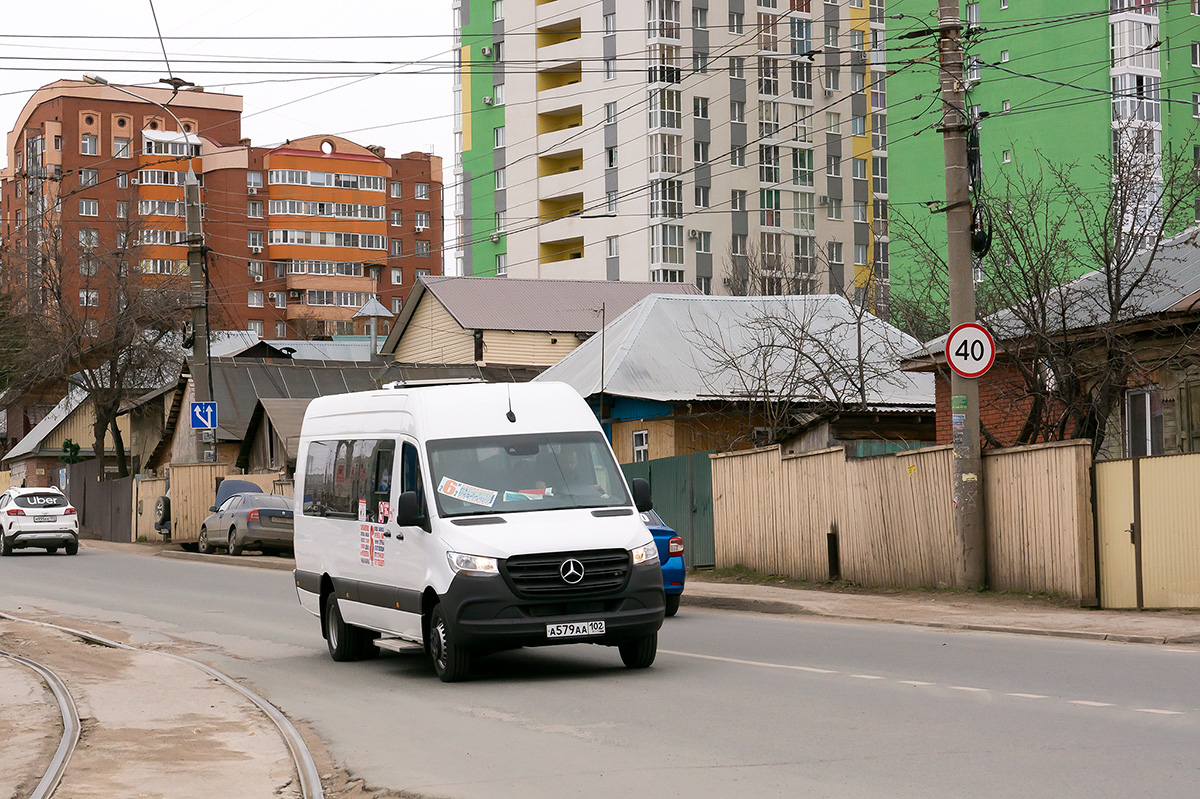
(199, 306)
(970, 567)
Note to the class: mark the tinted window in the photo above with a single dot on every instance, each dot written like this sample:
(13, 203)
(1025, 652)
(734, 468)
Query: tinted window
(269, 501)
(230, 504)
(338, 474)
(41, 501)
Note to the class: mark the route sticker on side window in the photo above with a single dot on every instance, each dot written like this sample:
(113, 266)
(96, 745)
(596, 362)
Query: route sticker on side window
(467, 493)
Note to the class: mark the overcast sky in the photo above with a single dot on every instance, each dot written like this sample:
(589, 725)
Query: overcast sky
(407, 110)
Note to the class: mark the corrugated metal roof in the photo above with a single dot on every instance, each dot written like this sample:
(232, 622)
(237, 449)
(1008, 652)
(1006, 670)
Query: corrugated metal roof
(664, 349)
(1172, 285)
(552, 306)
(230, 343)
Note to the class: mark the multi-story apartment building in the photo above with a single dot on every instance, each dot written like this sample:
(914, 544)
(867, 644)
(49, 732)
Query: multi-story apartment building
(1047, 82)
(736, 144)
(299, 236)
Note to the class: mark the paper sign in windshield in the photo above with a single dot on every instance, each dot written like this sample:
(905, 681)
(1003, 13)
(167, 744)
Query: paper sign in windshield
(467, 493)
(533, 493)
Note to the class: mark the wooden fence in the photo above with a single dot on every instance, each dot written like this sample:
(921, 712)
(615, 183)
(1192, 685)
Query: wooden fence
(889, 520)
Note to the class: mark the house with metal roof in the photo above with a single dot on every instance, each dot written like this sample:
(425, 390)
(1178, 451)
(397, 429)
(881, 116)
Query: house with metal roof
(681, 374)
(507, 322)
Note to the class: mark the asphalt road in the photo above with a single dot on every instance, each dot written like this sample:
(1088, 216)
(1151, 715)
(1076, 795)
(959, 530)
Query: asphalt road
(736, 704)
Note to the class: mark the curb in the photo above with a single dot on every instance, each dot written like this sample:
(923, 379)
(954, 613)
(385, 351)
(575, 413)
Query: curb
(781, 608)
(281, 564)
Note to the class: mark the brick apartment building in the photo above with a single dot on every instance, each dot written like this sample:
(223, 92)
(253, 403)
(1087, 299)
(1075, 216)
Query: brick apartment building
(299, 235)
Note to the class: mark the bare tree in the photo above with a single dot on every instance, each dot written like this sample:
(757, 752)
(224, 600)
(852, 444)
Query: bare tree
(97, 317)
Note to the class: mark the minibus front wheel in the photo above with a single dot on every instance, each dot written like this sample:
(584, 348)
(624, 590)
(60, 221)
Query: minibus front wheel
(451, 661)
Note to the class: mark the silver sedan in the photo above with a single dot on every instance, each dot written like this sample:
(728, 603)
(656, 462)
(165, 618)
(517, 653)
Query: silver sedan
(249, 521)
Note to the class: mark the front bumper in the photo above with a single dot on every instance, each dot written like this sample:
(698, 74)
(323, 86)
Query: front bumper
(485, 614)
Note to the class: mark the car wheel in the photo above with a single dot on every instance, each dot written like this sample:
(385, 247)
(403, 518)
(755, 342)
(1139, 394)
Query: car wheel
(72, 547)
(203, 544)
(235, 547)
(639, 653)
(450, 660)
(344, 640)
(51, 550)
(673, 603)
(5, 547)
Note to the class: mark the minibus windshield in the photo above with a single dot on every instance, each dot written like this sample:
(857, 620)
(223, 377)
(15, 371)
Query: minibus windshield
(510, 474)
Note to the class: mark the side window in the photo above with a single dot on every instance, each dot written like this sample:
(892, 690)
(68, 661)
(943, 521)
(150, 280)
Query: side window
(410, 477)
(339, 475)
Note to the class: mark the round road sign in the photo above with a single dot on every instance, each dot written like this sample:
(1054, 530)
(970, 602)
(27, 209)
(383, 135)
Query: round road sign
(970, 350)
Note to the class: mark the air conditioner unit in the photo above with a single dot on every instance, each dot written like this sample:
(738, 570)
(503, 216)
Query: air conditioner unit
(258, 278)
(487, 99)
(134, 182)
(252, 190)
(823, 199)
(485, 50)
(256, 251)
(828, 92)
(295, 294)
(691, 234)
(272, 297)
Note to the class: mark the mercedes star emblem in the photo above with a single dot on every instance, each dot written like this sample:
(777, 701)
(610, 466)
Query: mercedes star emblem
(571, 571)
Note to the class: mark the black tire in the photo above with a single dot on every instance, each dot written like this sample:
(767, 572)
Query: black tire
(51, 550)
(451, 661)
(203, 545)
(72, 548)
(5, 547)
(235, 548)
(673, 604)
(162, 511)
(345, 641)
(639, 653)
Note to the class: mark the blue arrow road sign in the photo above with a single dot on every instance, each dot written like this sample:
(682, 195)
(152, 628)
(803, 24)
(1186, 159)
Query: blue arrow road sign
(204, 416)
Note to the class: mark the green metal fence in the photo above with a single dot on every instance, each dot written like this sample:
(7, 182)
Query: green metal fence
(682, 489)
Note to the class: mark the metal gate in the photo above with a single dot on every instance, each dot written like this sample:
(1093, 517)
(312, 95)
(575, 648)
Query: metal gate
(682, 489)
(105, 507)
(1148, 529)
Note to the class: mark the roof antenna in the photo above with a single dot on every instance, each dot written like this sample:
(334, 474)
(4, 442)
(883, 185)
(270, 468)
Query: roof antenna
(512, 417)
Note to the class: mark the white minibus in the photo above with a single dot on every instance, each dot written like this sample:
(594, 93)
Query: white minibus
(471, 519)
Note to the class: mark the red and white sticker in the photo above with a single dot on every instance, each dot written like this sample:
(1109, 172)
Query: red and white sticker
(970, 350)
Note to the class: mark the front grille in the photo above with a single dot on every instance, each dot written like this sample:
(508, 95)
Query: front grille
(540, 576)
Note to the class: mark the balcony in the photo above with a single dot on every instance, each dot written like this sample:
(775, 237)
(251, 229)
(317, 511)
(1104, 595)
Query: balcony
(568, 30)
(560, 119)
(560, 207)
(560, 163)
(560, 250)
(560, 76)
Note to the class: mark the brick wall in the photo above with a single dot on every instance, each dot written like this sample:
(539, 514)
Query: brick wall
(1003, 405)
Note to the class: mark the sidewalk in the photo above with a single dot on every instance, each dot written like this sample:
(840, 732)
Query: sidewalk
(955, 611)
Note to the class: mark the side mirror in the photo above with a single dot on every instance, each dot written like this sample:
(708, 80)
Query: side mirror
(408, 514)
(641, 495)
(212, 508)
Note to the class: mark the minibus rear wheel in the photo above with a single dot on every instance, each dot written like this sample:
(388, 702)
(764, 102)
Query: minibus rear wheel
(346, 642)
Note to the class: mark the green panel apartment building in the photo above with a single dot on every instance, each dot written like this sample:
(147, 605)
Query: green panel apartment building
(1133, 60)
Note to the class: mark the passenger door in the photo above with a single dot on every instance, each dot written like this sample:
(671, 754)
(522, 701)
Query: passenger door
(406, 547)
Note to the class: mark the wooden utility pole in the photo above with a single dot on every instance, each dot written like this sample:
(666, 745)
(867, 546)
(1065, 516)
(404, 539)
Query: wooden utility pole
(970, 567)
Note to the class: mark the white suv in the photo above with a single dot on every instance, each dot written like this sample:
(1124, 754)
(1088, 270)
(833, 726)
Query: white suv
(37, 517)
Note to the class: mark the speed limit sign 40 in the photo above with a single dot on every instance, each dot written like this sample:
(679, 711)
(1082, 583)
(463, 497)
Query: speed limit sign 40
(970, 350)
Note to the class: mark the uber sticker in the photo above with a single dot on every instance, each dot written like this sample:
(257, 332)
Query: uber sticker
(467, 493)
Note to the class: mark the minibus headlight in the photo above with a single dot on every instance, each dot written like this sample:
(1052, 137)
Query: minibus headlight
(472, 564)
(645, 554)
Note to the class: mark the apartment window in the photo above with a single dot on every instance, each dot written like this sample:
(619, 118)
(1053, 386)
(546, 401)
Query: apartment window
(610, 24)
(769, 214)
(858, 168)
(666, 198)
(737, 244)
(421, 249)
(122, 210)
(395, 188)
(699, 17)
(501, 179)
(700, 107)
(737, 67)
(498, 136)
(737, 111)
(397, 247)
(1005, 107)
(88, 266)
(612, 247)
(397, 277)
(833, 123)
(610, 199)
(497, 10)
(801, 80)
(801, 36)
(89, 208)
(666, 246)
(254, 180)
(610, 113)
(768, 163)
(856, 40)
(610, 157)
(700, 62)
(878, 90)
(737, 200)
(498, 94)
(879, 131)
(700, 152)
(254, 209)
(879, 175)
(833, 79)
(973, 14)
(255, 326)
(834, 251)
(422, 191)
(610, 68)
(858, 126)
(1195, 108)
(120, 148)
(768, 76)
(281, 329)
(122, 180)
(641, 446)
(57, 147)
(397, 217)
(254, 238)
(1196, 54)
(804, 254)
(89, 238)
(737, 22)
(737, 156)
(831, 36)
(833, 208)
(860, 255)
(704, 283)
(702, 196)
(1006, 157)
(501, 264)
(254, 298)
(422, 220)
(89, 177)
(89, 145)
(804, 216)
(703, 241)
(860, 212)
(89, 298)
(833, 166)
(666, 108)
(398, 303)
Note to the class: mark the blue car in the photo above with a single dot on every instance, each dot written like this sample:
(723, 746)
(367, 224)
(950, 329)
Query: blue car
(670, 554)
